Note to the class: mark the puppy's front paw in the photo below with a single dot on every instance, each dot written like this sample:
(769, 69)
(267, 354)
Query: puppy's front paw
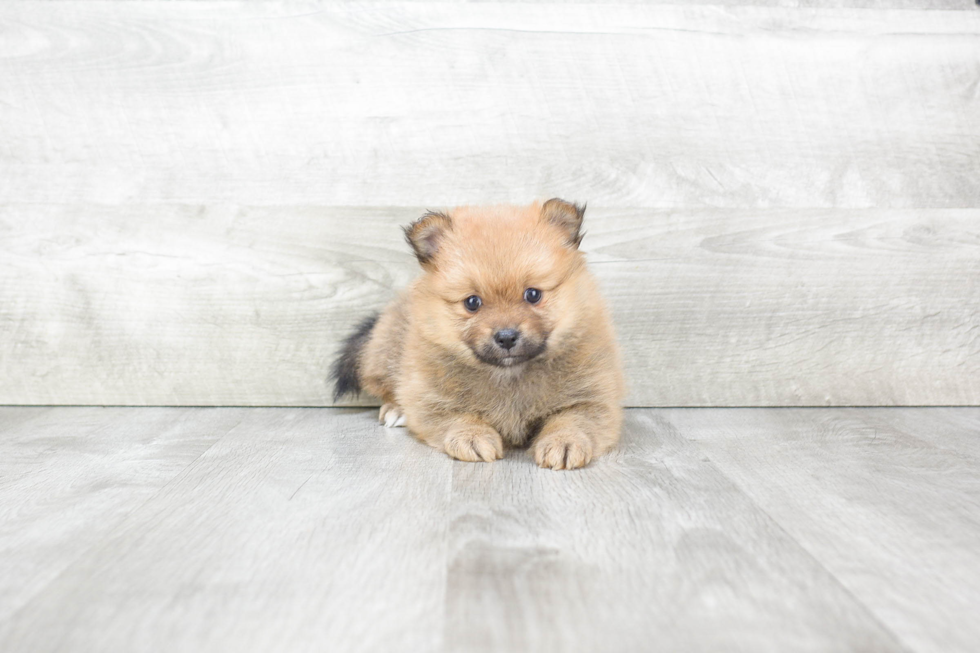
(565, 449)
(391, 416)
(474, 444)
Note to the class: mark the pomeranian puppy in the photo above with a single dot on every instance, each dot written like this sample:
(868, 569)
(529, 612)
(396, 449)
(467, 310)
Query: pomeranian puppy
(502, 341)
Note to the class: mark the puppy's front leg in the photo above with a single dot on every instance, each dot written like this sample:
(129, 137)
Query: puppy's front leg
(574, 436)
(462, 436)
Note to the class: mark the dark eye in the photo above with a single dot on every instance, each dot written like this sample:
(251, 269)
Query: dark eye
(532, 295)
(472, 303)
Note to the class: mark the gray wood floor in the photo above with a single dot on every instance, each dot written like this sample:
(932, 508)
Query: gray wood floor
(289, 529)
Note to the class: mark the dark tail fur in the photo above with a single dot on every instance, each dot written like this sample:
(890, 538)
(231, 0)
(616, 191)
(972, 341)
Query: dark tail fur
(346, 368)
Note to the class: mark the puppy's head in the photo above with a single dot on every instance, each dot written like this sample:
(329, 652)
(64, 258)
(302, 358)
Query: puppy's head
(503, 285)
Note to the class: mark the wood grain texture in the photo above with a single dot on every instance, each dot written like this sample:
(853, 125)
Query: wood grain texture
(313, 530)
(650, 548)
(443, 103)
(887, 500)
(175, 305)
(69, 476)
(297, 531)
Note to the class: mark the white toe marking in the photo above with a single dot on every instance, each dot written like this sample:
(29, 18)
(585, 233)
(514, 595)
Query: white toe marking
(394, 418)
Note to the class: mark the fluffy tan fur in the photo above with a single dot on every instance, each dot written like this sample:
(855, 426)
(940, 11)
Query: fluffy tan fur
(427, 355)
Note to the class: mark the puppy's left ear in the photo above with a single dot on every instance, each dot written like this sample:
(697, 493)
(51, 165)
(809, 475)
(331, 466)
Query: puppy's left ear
(426, 234)
(567, 217)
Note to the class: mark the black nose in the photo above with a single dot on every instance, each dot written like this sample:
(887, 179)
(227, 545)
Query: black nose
(507, 338)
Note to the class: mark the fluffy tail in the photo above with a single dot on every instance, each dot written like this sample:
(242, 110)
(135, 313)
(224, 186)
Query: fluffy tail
(346, 368)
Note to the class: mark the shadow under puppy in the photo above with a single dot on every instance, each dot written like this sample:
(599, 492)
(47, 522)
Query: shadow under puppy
(503, 340)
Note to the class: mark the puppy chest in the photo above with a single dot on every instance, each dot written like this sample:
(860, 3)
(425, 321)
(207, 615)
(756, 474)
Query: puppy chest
(515, 412)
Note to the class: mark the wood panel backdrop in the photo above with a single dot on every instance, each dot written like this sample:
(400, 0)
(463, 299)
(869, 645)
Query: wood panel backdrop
(197, 199)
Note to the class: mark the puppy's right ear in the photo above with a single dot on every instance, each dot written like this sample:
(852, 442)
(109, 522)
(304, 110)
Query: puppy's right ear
(426, 234)
(567, 217)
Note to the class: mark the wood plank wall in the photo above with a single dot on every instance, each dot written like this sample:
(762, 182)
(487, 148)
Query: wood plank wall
(198, 198)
